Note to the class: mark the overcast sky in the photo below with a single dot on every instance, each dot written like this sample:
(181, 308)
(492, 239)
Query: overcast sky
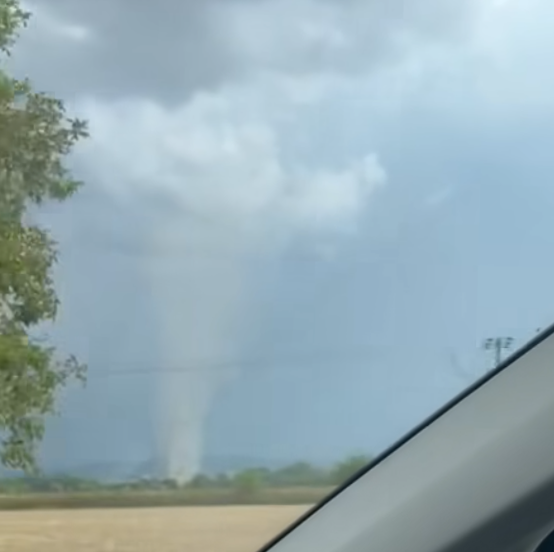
(315, 209)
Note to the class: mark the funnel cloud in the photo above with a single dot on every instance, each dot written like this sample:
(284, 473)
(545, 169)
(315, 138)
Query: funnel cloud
(223, 195)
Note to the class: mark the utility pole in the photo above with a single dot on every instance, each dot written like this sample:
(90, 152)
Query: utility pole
(497, 345)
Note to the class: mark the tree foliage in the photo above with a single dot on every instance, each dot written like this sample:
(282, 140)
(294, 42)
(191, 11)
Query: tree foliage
(347, 468)
(248, 482)
(35, 137)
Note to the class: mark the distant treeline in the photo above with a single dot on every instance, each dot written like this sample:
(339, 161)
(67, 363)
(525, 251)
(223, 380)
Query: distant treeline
(246, 482)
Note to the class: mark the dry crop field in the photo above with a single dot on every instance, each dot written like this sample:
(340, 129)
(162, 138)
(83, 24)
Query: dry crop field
(188, 529)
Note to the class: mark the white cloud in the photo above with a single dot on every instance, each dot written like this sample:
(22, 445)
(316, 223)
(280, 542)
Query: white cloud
(328, 199)
(223, 164)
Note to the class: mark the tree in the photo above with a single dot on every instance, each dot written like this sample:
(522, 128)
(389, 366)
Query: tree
(35, 137)
(299, 473)
(247, 482)
(200, 481)
(347, 468)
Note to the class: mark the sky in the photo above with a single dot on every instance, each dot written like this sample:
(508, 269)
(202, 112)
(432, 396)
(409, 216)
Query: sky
(300, 221)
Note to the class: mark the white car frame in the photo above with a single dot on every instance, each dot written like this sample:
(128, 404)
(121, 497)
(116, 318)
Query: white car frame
(477, 476)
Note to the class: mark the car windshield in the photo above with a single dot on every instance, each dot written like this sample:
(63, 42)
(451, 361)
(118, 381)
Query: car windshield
(246, 246)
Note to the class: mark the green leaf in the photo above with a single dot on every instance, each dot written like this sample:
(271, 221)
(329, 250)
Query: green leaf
(35, 137)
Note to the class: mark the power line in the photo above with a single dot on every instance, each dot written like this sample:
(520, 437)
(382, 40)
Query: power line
(261, 365)
(331, 361)
(189, 253)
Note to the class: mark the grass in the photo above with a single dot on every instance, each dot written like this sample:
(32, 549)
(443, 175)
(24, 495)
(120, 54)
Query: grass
(192, 529)
(149, 499)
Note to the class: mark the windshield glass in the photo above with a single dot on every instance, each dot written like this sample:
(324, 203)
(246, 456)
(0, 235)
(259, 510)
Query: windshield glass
(246, 246)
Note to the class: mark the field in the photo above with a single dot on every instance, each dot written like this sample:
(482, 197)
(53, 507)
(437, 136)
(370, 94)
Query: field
(290, 496)
(190, 529)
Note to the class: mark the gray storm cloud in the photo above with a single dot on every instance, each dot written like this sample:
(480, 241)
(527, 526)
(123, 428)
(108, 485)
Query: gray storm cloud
(170, 49)
(208, 173)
